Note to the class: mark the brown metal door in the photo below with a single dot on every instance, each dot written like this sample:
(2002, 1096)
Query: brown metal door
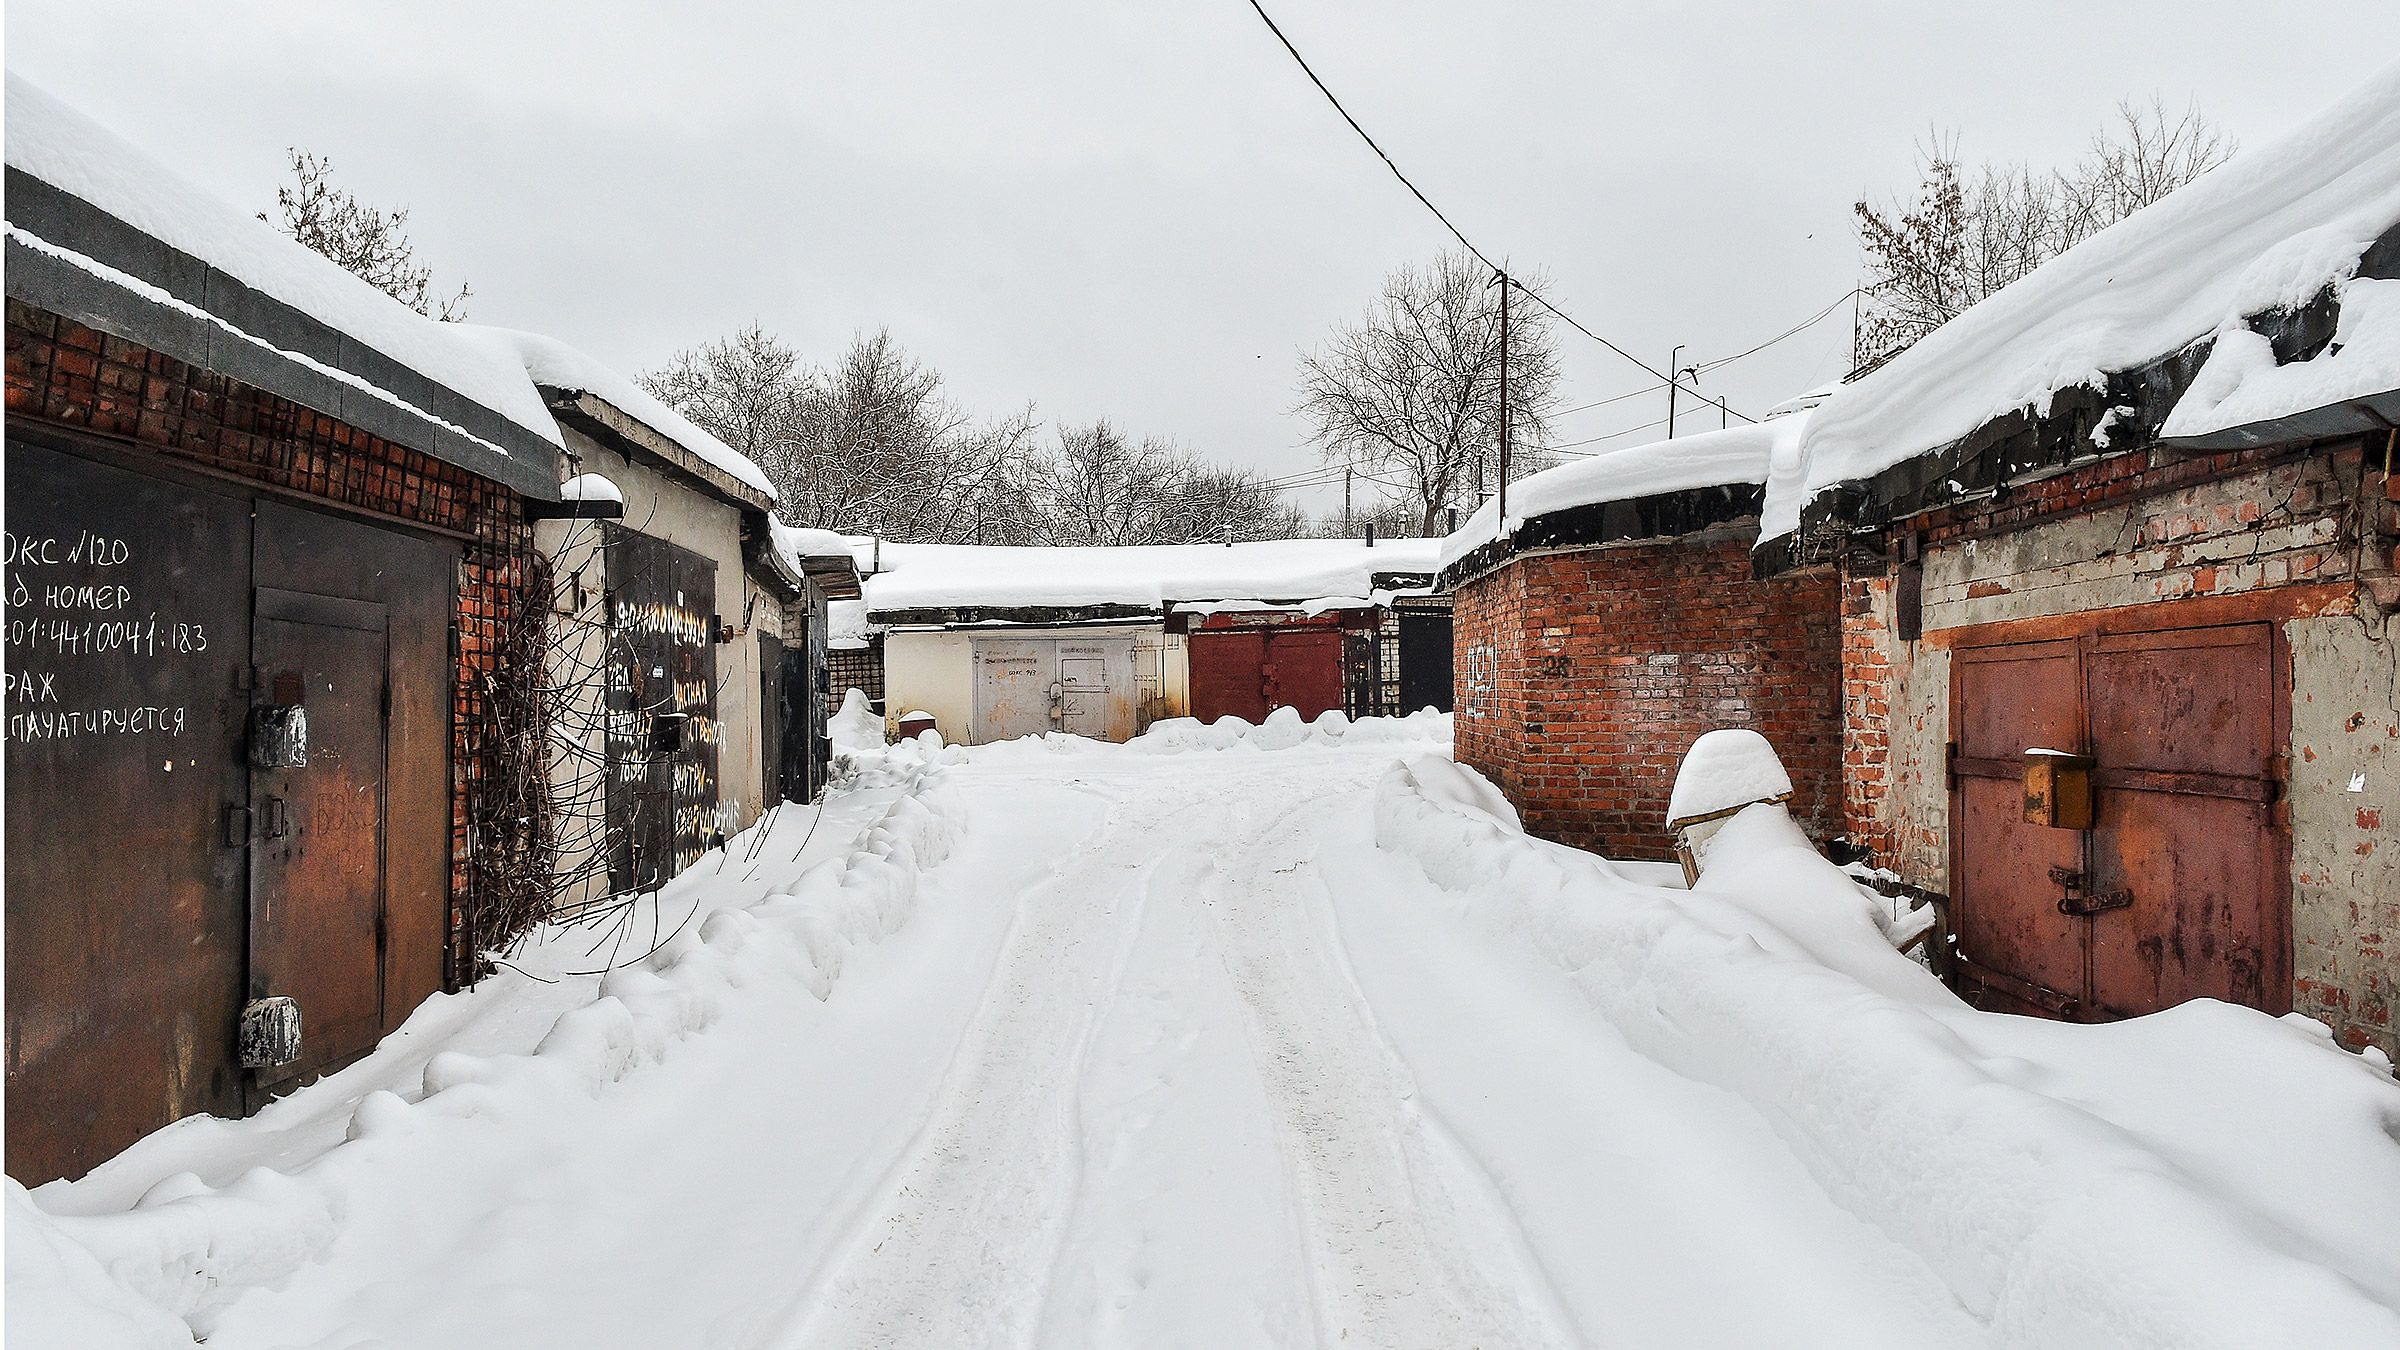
(2010, 700)
(317, 894)
(127, 605)
(2179, 890)
(2182, 728)
(1225, 673)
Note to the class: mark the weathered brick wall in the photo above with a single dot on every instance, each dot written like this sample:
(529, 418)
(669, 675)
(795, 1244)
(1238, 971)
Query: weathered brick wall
(62, 372)
(1583, 676)
(2144, 530)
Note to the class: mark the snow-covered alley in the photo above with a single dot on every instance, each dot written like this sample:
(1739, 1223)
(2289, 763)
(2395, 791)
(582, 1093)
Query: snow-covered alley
(1060, 1043)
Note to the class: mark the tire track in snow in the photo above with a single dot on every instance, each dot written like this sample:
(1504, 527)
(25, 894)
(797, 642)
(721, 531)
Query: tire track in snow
(1412, 1246)
(961, 1250)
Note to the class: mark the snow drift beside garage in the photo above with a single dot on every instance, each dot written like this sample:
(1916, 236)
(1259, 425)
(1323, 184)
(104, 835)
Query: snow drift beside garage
(1150, 577)
(60, 146)
(553, 364)
(2271, 229)
(1735, 455)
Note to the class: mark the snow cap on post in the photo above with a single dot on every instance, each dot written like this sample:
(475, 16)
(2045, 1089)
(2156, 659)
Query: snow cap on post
(1724, 771)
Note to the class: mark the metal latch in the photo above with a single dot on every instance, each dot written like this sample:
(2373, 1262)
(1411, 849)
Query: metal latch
(270, 1034)
(278, 823)
(237, 826)
(2082, 907)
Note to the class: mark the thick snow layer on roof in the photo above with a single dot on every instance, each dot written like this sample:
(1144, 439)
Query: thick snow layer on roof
(936, 576)
(67, 150)
(796, 543)
(2271, 228)
(552, 363)
(2240, 383)
(589, 487)
(846, 627)
(1711, 459)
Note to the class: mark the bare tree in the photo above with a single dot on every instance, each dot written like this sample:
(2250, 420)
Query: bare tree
(1098, 486)
(746, 390)
(1411, 392)
(1971, 231)
(366, 242)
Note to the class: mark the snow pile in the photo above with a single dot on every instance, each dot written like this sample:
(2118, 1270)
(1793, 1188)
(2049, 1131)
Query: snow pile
(2271, 228)
(1284, 730)
(1736, 455)
(846, 627)
(190, 1250)
(2200, 1178)
(1727, 768)
(553, 364)
(796, 543)
(2240, 382)
(61, 147)
(939, 576)
(590, 487)
(856, 726)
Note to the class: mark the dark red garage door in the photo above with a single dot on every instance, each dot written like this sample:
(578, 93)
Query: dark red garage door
(1250, 672)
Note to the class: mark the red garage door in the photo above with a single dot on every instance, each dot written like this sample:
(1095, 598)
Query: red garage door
(1250, 672)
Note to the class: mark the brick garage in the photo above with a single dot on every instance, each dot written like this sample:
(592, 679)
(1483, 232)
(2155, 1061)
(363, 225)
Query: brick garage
(66, 374)
(1584, 673)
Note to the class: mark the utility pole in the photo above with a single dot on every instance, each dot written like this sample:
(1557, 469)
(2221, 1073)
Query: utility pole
(1345, 503)
(1501, 525)
(1673, 376)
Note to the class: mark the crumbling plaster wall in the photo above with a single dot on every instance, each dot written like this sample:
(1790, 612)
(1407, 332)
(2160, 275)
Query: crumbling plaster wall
(2345, 798)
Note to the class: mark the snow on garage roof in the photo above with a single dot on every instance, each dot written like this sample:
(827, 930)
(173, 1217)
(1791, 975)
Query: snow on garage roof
(2272, 228)
(553, 364)
(1740, 454)
(53, 143)
(1150, 577)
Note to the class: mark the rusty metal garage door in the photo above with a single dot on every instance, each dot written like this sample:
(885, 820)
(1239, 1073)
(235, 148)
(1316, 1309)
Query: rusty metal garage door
(2178, 890)
(1250, 672)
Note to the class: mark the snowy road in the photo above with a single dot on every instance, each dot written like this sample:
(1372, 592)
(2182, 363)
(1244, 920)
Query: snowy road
(1167, 1053)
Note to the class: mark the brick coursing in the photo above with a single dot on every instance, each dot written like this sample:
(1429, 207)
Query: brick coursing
(63, 372)
(1582, 677)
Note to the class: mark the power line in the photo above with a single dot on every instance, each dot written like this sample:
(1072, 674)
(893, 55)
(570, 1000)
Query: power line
(1809, 322)
(1455, 232)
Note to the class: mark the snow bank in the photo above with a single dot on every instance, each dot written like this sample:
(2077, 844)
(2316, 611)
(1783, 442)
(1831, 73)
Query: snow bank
(938, 576)
(549, 362)
(1742, 454)
(856, 726)
(2271, 228)
(2064, 1187)
(1284, 730)
(61, 147)
(190, 1250)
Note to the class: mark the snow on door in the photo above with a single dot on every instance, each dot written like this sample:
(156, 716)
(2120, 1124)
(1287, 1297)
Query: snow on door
(2179, 890)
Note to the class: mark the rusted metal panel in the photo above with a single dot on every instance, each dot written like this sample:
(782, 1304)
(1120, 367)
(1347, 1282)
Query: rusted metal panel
(317, 830)
(1224, 673)
(662, 798)
(2009, 700)
(2200, 869)
(127, 604)
(1303, 670)
(414, 579)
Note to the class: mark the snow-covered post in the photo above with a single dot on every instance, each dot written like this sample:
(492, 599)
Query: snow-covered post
(1724, 771)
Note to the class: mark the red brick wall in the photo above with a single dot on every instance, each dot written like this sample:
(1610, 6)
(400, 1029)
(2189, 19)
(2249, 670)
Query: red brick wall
(62, 372)
(1866, 716)
(1583, 677)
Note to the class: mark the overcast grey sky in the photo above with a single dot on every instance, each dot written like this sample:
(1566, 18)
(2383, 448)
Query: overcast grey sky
(1143, 211)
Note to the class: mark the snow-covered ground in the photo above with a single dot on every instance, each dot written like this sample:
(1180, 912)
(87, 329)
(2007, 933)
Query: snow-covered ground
(1249, 1036)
